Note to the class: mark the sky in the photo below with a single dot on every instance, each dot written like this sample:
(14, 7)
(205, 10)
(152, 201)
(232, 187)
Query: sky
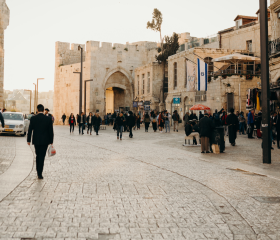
(35, 26)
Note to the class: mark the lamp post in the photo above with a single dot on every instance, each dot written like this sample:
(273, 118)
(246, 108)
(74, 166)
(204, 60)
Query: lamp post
(81, 80)
(35, 99)
(30, 97)
(265, 83)
(85, 95)
(37, 89)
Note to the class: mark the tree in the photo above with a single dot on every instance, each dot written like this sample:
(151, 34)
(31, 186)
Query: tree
(170, 47)
(156, 23)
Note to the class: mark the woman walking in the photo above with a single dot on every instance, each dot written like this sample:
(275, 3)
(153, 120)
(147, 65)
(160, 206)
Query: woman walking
(147, 121)
(154, 122)
(160, 122)
(72, 122)
(89, 122)
(138, 121)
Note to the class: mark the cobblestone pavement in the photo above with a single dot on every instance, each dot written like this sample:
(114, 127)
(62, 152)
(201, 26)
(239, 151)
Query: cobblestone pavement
(7, 152)
(98, 187)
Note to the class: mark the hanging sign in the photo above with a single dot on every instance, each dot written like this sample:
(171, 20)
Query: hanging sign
(135, 104)
(176, 100)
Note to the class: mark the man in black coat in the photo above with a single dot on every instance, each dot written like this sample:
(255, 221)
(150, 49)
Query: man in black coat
(42, 128)
(2, 120)
(96, 122)
(206, 127)
(233, 126)
(81, 121)
(130, 121)
(63, 118)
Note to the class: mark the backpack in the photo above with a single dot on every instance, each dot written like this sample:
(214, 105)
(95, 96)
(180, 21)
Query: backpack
(216, 117)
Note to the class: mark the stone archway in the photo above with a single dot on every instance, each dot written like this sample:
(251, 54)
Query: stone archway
(119, 95)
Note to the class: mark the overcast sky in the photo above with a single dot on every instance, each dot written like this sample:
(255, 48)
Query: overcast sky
(35, 26)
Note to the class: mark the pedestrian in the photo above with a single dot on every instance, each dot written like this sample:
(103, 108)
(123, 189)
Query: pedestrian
(105, 119)
(200, 115)
(258, 122)
(278, 129)
(175, 118)
(224, 121)
(191, 116)
(42, 128)
(81, 121)
(89, 123)
(241, 120)
(167, 123)
(48, 114)
(138, 121)
(154, 122)
(250, 122)
(63, 118)
(147, 121)
(2, 120)
(186, 118)
(233, 126)
(195, 129)
(206, 126)
(119, 125)
(130, 123)
(216, 119)
(72, 122)
(97, 122)
(160, 122)
(135, 123)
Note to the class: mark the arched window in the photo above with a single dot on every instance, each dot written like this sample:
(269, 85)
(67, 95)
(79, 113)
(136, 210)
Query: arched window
(175, 75)
(208, 60)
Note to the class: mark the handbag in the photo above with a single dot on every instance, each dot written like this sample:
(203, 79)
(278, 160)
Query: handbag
(51, 151)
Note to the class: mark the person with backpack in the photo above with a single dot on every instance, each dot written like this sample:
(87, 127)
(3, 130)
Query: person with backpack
(176, 119)
(224, 121)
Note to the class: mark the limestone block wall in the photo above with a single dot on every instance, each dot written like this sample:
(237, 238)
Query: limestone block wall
(275, 21)
(101, 63)
(236, 40)
(4, 22)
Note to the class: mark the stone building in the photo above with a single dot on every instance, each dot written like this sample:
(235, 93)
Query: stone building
(223, 86)
(4, 22)
(149, 85)
(112, 69)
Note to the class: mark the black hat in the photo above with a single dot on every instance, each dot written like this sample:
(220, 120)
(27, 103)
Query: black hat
(46, 109)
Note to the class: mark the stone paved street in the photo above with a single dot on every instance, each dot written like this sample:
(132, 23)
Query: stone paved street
(8, 151)
(148, 187)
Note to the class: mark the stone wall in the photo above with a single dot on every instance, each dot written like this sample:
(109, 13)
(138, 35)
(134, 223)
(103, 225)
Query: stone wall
(108, 65)
(4, 22)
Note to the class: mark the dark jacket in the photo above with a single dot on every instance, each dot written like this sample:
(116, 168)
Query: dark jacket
(175, 117)
(2, 120)
(278, 123)
(232, 121)
(119, 121)
(42, 129)
(63, 116)
(84, 118)
(92, 119)
(188, 129)
(96, 121)
(206, 127)
(195, 128)
(69, 120)
(130, 121)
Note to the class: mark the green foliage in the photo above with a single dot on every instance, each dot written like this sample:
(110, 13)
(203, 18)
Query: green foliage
(61, 65)
(114, 48)
(170, 47)
(125, 49)
(156, 22)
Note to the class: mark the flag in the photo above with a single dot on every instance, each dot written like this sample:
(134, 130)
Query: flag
(202, 72)
(191, 76)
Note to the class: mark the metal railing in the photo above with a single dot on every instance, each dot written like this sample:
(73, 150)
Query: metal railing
(274, 47)
(236, 72)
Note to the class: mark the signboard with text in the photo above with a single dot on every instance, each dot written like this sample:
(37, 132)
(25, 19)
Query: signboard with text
(176, 100)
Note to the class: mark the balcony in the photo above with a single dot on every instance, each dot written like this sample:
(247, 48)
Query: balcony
(236, 72)
(274, 48)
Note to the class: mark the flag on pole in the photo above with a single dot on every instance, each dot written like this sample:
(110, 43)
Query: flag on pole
(202, 72)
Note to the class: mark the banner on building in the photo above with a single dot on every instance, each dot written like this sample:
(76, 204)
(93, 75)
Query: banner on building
(190, 75)
(202, 72)
(135, 104)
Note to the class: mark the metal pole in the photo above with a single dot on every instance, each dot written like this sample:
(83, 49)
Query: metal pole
(35, 99)
(265, 83)
(37, 93)
(85, 96)
(81, 82)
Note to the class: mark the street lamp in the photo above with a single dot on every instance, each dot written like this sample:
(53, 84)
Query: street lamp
(85, 95)
(30, 97)
(81, 80)
(35, 99)
(37, 89)
(265, 83)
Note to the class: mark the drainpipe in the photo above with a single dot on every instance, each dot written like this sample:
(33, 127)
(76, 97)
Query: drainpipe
(239, 98)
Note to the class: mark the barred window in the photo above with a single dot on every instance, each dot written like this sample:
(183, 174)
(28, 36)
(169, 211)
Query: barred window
(148, 83)
(143, 85)
(138, 83)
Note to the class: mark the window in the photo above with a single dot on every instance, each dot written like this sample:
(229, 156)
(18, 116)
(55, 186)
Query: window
(249, 45)
(148, 83)
(175, 75)
(238, 23)
(208, 60)
(143, 85)
(200, 96)
(138, 83)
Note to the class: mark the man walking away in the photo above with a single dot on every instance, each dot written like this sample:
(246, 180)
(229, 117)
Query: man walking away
(147, 121)
(81, 121)
(241, 120)
(206, 126)
(175, 118)
(130, 123)
(233, 126)
(63, 118)
(167, 123)
(2, 120)
(97, 122)
(278, 129)
(251, 121)
(72, 122)
(119, 125)
(42, 129)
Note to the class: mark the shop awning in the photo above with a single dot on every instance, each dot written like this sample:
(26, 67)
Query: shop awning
(199, 107)
(236, 58)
